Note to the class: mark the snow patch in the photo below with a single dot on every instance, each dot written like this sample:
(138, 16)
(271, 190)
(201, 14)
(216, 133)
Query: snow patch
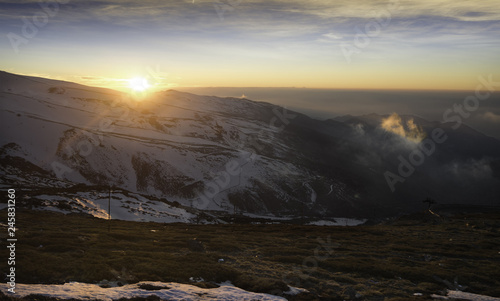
(292, 291)
(338, 222)
(465, 296)
(124, 206)
(165, 291)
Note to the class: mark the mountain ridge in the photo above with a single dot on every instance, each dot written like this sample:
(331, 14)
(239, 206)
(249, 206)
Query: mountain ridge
(214, 153)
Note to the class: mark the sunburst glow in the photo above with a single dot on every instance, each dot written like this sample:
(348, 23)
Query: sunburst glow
(139, 84)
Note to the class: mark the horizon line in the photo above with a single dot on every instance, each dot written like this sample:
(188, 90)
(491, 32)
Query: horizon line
(263, 87)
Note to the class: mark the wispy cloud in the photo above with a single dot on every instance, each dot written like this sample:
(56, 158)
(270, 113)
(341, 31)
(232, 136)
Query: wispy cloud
(408, 129)
(287, 17)
(491, 117)
(302, 34)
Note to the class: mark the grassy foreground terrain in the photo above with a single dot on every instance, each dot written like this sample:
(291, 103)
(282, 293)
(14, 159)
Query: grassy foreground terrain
(383, 262)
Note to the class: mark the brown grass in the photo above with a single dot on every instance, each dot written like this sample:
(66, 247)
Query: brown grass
(383, 262)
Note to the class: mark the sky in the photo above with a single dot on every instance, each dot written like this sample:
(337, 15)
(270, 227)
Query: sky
(341, 44)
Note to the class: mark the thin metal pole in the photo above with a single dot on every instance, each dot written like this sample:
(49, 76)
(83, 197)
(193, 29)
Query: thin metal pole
(109, 209)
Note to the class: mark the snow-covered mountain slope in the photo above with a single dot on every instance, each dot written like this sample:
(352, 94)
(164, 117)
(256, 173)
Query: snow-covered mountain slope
(214, 153)
(205, 152)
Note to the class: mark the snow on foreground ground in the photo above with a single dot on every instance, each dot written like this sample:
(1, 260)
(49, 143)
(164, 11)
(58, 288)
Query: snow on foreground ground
(169, 291)
(174, 292)
(339, 221)
(453, 295)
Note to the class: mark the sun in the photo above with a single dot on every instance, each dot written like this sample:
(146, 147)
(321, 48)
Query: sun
(139, 84)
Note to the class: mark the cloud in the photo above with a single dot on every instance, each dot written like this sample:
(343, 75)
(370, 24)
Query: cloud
(155, 80)
(393, 124)
(410, 130)
(478, 169)
(273, 22)
(319, 16)
(491, 117)
(359, 129)
(304, 37)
